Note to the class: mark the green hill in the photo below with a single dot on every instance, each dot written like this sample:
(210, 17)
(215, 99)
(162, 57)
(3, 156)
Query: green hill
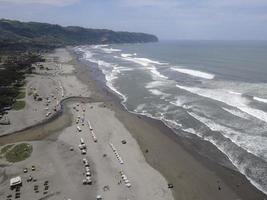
(39, 35)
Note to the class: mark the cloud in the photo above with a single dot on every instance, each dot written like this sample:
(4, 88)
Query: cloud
(194, 3)
(149, 3)
(44, 2)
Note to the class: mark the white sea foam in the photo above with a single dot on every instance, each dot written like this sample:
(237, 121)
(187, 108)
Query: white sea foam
(121, 69)
(157, 92)
(195, 73)
(193, 131)
(125, 55)
(99, 46)
(145, 62)
(156, 84)
(237, 113)
(234, 100)
(148, 65)
(254, 144)
(171, 123)
(88, 55)
(110, 71)
(260, 99)
(110, 50)
(255, 176)
(233, 92)
(142, 61)
(123, 97)
(156, 74)
(178, 102)
(181, 103)
(140, 108)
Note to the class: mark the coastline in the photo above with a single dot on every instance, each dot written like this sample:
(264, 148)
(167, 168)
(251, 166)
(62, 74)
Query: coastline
(175, 162)
(193, 176)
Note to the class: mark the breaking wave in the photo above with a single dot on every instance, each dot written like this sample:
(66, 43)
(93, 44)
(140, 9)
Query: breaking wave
(195, 73)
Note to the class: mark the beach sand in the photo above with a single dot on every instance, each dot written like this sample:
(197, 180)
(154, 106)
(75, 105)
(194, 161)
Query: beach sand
(153, 155)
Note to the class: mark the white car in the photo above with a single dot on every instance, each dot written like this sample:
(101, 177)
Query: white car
(128, 185)
(83, 152)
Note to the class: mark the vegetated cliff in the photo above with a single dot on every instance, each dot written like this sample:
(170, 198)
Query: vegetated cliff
(16, 34)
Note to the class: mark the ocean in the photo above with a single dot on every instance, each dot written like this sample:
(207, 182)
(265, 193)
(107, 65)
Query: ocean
(215, 90)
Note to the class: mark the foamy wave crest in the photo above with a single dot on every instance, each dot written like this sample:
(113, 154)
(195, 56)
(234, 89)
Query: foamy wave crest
(256, 174)
(156, 74)
(109, 70)
(234, 100)
(256, 145)
(156, 84)
(145, 62)
(233, 92)
(125, 55)
(99, 46)
(140, 108)
(110, 50)
(171, 123)
(86, 53)
(142, 61)
(195, 73)
(157, 92)
(260, 99)
(181, 103)
(115, 90)
(237, 113)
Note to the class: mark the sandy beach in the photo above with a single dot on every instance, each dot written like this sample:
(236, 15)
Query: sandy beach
(127, 156)
(64, 169)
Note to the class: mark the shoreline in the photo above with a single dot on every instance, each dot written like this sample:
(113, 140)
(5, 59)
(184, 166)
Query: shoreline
(233, 179)
(193, 176)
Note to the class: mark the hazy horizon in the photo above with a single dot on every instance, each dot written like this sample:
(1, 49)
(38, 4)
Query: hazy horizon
(169, 20)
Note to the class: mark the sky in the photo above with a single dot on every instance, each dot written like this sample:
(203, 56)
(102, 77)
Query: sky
(168, 19)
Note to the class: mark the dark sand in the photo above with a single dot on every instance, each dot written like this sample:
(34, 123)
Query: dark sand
(194, 176)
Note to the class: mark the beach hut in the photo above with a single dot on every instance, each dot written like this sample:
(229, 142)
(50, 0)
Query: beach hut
(15, 182)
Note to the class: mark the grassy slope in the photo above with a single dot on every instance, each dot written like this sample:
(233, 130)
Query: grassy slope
(19, 152)
(18, 105)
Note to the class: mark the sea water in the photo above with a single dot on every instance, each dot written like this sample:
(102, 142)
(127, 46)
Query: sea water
(216, 90)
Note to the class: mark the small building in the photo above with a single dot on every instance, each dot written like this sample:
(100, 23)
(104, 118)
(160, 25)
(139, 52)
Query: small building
(15, 182)
(99, 197)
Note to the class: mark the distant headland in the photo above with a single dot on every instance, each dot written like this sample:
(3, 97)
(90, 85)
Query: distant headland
(16, 34)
